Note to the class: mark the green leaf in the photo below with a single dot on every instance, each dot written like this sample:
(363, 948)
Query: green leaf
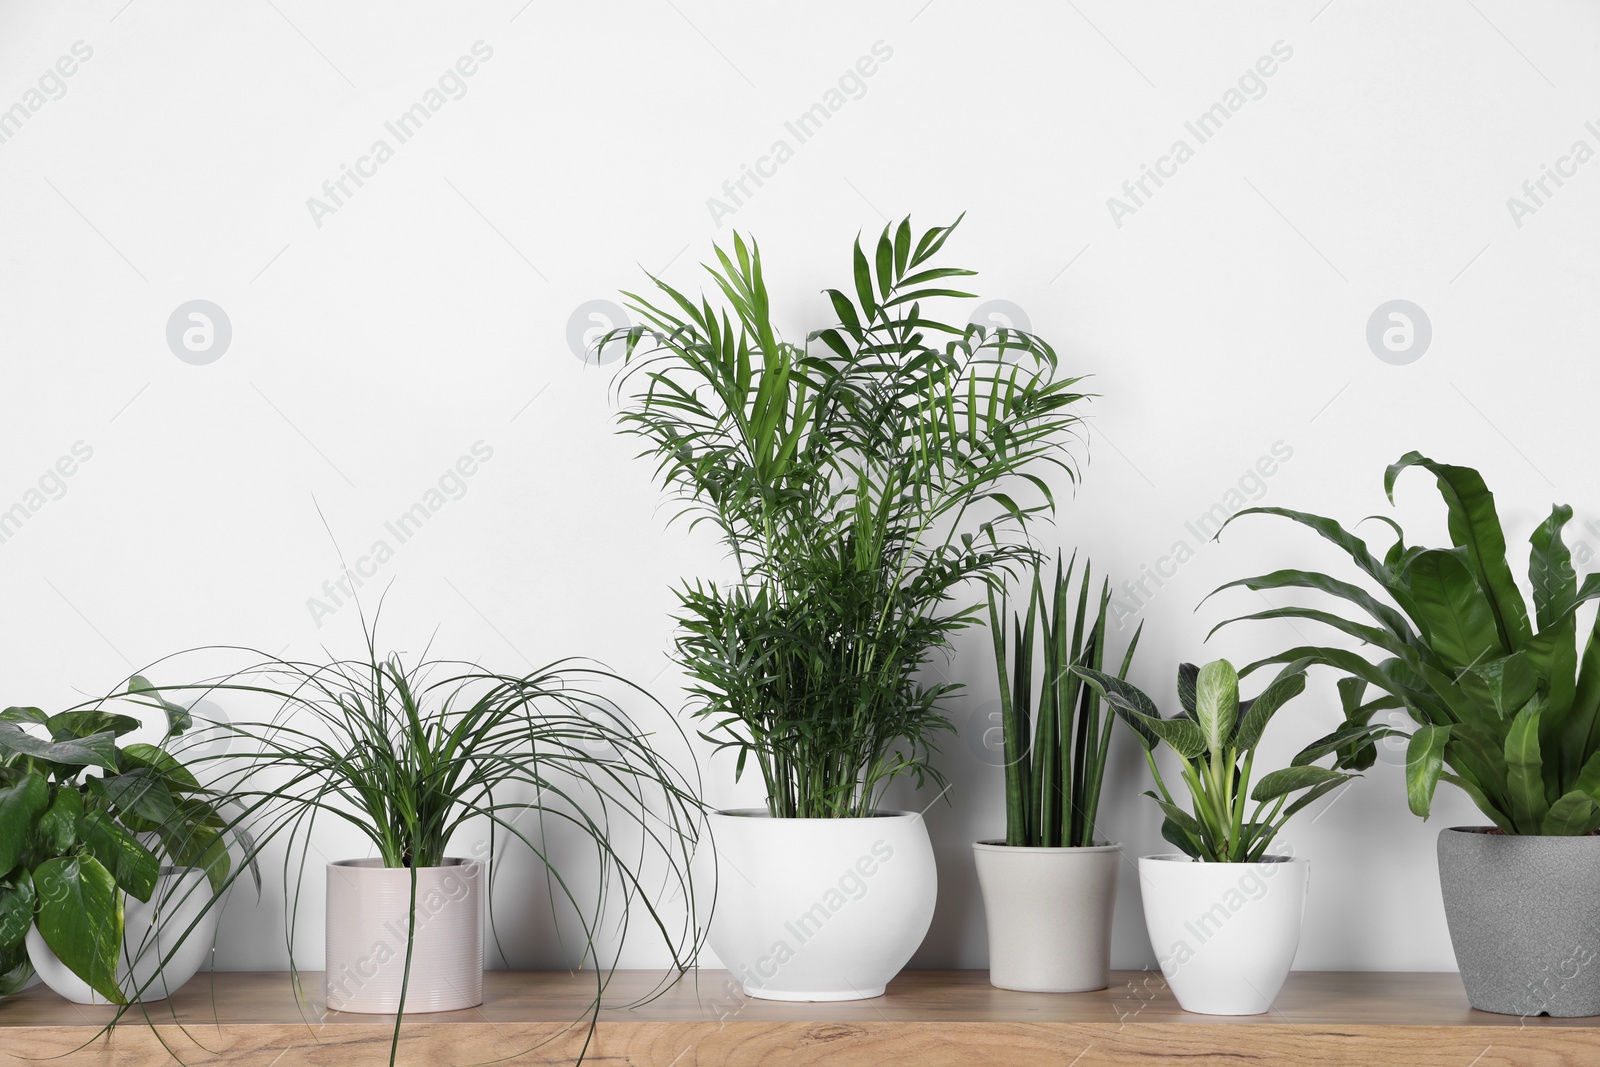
(1424, 764)
(17, 900)
(20, 808)
(178, 718)
(15, 971)
(1315, 794)
(142, 794)
(1510, 680)
(1283, 689)
(1292, 780)
(1452, 608)
(1572, 815)
(73, 725)
(133, 867)
(33, 715)
(58, 826)
(1188, 679)
(96, 750)
(1475, 528)
(1125, 697)
(1525, 769)
(1555, 583)
(1216, 703)
(80, 918)
(1187, 843)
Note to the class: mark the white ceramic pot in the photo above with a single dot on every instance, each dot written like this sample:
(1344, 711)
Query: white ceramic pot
(1049, 912)
(820, 909)
(156, 956)
(368, 917)
(1225, 933)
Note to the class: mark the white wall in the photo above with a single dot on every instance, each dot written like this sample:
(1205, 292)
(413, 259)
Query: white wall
(374, 345)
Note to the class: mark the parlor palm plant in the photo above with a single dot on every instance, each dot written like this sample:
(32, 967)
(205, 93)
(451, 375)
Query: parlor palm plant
(861, 481)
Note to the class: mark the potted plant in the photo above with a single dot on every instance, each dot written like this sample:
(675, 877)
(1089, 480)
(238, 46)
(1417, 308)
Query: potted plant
(408, 755)
(860, 482)
(112, 855)
(1050, 885)
(1224, 916)
(1506, 710)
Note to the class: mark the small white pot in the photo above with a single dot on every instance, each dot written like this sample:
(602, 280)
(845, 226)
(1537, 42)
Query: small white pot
(368, 918)
(152, 932)
(1225, 933)
(820, 909)
(1049, 913)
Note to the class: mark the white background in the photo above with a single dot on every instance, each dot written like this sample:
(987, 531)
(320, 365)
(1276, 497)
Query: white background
(431, 311)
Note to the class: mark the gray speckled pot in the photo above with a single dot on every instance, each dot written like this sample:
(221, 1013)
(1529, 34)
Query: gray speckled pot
(1524, 915)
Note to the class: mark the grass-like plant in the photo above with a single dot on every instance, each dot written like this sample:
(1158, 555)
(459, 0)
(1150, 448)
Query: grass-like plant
(1212, 734)
(1055, 744)
(408, 754)
(1506, 708)
(85, 822)
(860, 482)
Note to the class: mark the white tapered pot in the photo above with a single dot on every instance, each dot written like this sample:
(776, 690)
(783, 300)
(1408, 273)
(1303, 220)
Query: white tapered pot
(157, 958)
(820, 909)
(1049, 914)
(368, 916)
(1225, 933)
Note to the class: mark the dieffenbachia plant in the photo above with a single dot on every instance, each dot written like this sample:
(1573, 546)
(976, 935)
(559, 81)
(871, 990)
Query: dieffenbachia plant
(1505, 707)
(1214, 732)
(84, 820)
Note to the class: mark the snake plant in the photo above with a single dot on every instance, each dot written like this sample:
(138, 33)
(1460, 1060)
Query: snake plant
(1055, 746)
(1505, 706)
(1212, 734)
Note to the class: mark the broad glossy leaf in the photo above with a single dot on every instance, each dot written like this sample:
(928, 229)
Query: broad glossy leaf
(134, 867)
(1572, 815)
(20, 808)
(1129, 700)
(33, 715)
(1555, 583)
(1475, 527)
(1292, 780)
(1346, 738)
(96, 750)
(15, 970)
(141, 793)
(1510, 681)
(1283, 689)
(178, 718)
(1424, 764)
(1495, 815)
(70, 725)
(1216, 703)
(80, 918)
(58, 826)
(1525, 768)
(17, 900)
(1453, 609)
(1391, 619)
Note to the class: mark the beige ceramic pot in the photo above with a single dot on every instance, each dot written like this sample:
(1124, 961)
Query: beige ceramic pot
(368, 911)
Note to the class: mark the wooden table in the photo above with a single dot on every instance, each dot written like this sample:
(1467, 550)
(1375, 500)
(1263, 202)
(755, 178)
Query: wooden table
(927, 1017)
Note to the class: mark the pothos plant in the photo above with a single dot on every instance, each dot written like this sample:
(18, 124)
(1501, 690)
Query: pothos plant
(85, 820)
(861, 480)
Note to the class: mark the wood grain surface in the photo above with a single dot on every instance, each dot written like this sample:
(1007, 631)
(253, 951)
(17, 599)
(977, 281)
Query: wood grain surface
(933, 1017)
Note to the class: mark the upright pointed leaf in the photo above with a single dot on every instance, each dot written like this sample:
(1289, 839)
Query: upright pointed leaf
(1475, 527)
(1525, 769)
(1216, 702)
(1424, 764)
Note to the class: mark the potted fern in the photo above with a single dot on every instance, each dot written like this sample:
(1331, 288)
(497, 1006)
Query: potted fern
(1506, 710)
(861, 482)
(1050, 885)
(1224, 913)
